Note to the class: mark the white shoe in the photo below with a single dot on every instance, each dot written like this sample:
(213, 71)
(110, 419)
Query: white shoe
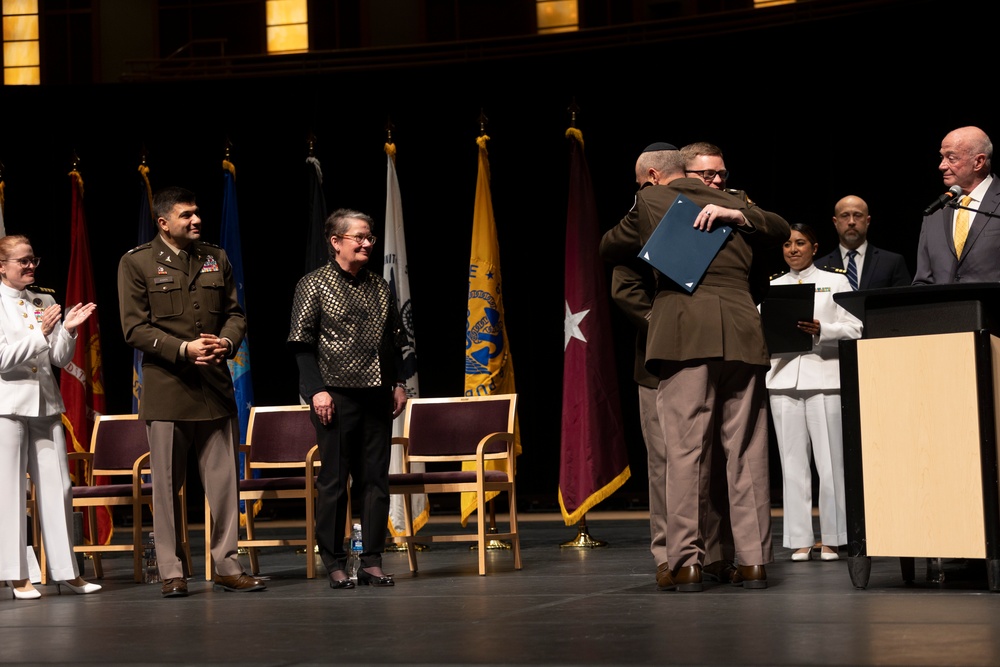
(27, 592)
(83, 589)
(802, 554)
(828, 553)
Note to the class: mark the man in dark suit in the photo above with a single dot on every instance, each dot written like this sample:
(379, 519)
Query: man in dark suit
(961, 242)
(874, 267)
(177, 301)
(708, 350)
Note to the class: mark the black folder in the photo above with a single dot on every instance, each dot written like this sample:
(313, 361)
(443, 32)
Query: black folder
(780, 313)
(680, 251)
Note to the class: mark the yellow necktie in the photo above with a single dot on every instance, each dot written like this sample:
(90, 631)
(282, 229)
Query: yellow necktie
(962, 226)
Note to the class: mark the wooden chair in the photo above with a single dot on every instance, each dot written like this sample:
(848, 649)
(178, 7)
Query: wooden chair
(278, 438)
(450, 431)
(119, 449)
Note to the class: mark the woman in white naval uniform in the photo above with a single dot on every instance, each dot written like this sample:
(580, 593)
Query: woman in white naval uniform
(804, 388)
(32, 340)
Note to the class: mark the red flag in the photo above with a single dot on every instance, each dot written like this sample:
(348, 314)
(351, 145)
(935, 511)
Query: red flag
(594, 460)
(82, 381)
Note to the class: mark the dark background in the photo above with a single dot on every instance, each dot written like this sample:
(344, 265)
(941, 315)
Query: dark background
(807, 110)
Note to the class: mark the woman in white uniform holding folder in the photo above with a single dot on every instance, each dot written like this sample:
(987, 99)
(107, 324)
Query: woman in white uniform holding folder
(804, 389)
(33, 338)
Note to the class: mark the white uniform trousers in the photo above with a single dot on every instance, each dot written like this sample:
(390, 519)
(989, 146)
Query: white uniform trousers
(36, 445)
(801, 419)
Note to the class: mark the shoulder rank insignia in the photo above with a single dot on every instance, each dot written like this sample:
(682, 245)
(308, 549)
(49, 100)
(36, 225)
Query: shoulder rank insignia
(778, 274)
(834, 269)
(138, 247)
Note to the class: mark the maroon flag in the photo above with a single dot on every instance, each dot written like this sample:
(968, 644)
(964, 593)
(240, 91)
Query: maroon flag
(594, 460)
(82, 381)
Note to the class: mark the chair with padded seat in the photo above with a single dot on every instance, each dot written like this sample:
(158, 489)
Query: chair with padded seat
(116, 469)
(279, 438)
(444, 433)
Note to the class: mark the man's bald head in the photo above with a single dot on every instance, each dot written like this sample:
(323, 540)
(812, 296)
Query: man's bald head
(851, 218)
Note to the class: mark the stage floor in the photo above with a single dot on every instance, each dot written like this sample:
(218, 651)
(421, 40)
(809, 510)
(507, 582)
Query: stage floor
(566, 606)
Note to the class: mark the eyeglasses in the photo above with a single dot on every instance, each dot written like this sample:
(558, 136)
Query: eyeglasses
(360, 238)
(24, 262)
(709, 174)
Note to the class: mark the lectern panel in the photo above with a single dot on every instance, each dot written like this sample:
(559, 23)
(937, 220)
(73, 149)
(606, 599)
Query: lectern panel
(921, 455)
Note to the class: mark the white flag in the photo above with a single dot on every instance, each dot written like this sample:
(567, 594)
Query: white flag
(395, 273)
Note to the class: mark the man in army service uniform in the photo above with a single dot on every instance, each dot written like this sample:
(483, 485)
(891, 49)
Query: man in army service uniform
(177, 301)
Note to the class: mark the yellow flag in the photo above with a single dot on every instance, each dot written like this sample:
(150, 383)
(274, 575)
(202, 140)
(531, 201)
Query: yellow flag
(488, 365)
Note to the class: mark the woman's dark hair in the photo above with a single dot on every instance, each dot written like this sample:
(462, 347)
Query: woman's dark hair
(805, 230)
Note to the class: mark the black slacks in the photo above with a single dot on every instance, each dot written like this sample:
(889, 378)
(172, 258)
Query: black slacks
(354, 449)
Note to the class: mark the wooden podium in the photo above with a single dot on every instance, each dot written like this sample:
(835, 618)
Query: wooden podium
(920, 431)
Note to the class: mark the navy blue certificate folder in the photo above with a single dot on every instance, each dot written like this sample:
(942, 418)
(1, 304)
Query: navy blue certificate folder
(680, 251)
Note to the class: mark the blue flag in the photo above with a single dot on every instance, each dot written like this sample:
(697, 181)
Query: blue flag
(239, 366)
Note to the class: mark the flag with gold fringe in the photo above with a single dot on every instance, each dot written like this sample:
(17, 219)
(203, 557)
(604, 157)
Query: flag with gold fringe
(145, 231)
(396, 272)
(489, 368)
(594, 460)
(239, 366)
(81, 382)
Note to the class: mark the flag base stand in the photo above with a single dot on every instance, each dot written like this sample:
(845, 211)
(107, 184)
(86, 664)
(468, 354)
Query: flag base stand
(583, 538)
(493, 544)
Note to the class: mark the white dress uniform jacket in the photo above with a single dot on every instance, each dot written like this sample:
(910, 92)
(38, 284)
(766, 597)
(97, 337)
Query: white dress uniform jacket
(29, 387)
(819, 369)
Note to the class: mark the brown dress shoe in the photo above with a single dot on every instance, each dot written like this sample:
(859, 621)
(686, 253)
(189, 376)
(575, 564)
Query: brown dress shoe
(721, 571)
(686, 579)
(174, 588)
(241, 582)
(750, 576)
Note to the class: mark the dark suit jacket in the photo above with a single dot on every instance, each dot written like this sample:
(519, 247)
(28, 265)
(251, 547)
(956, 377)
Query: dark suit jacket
(882, 268)
(980, 262)
(719, 320)
(164, 303)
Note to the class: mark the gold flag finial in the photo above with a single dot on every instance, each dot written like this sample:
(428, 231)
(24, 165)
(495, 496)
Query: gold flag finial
(482, 122)
(311, 143)
(573, 109)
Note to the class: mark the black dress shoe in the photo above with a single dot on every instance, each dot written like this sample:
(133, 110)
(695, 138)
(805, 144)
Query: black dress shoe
(750, 576)
(341, 583)
(374, 580)
(241, 583)
(686, 579)
(174, 588)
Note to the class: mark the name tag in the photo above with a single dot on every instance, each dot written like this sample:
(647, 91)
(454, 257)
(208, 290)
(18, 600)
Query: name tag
(159, 280)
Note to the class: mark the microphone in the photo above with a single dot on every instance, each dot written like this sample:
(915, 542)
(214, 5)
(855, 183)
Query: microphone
(939, 203)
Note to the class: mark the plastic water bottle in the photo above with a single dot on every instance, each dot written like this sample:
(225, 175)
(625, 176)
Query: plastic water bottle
(152, 574)
(354, 558)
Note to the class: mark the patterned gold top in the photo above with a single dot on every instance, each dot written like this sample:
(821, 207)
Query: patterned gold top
(351, 325)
